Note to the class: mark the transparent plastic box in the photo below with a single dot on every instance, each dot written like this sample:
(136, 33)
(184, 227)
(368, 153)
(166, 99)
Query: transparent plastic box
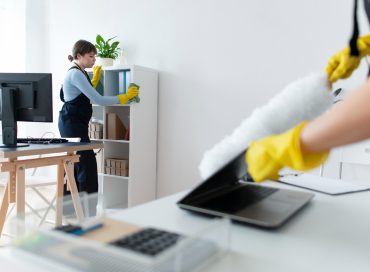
(45, 217)
(55, 249)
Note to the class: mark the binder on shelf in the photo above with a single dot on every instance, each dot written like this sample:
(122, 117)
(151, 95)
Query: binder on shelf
(121, 89)
(127, 80)
(115, 128)
(127, 134)
(124, 78)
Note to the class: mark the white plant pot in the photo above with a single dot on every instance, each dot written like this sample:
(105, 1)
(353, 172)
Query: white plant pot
(104, 61)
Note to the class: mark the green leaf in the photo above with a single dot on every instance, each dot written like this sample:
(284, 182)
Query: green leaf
(99, 39)
(114, 45)
(105, 49)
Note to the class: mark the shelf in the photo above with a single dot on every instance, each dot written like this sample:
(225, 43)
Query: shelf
(115, 141)
(141, 147)
(113, 176)
(116, 68)
(111, 68)
(111, 141)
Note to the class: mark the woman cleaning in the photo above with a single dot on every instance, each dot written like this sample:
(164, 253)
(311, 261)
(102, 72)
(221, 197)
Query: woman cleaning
(78, 94)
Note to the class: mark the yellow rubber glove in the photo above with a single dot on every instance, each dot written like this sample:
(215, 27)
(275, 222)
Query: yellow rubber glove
(96, 75)
(342, 64)
(132, 92)
(267, 156)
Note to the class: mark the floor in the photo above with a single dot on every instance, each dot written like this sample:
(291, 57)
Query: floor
(36, 202)
(31, 219)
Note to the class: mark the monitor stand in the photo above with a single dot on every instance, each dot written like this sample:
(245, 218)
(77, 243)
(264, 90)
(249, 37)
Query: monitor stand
(8, 116)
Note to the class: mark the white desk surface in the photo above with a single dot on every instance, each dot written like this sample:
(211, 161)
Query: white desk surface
(332, 233)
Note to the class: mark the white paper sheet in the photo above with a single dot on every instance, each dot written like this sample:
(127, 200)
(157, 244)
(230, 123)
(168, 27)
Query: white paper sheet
(323, 185)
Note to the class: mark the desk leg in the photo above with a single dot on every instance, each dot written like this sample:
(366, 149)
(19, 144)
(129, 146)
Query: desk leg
(60, 192)
(4, 208)
(69, 168)
(12, 185)
(20, 192)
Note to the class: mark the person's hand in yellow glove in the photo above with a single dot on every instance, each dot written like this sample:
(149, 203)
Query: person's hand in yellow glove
(342, 64)
(267, 156)
(96, 75)
(132, 92)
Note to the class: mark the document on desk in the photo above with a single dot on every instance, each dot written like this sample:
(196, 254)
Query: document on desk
(323, 185)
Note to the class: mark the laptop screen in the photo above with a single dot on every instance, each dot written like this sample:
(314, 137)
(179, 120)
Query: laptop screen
(225, 177)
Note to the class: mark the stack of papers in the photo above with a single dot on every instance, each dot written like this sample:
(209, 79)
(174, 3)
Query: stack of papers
(323, 185)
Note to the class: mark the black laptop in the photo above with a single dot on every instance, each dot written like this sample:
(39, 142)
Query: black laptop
(230, 192)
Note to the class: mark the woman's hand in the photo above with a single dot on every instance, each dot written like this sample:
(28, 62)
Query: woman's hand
(342, 64)
(132, 92)
(97, 71)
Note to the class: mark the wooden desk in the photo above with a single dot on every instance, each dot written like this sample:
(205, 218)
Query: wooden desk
(15, 188)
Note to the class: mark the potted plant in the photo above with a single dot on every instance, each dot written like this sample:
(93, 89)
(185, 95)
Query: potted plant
(107, 52)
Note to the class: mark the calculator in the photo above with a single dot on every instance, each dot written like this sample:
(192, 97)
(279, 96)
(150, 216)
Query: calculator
(148, 241)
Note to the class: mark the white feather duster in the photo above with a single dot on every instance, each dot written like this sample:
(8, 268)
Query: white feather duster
(303, 99)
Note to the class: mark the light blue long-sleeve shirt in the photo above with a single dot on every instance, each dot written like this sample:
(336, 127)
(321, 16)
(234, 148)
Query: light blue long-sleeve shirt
(76, 83)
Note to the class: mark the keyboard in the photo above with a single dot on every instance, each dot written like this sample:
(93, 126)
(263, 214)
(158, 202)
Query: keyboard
(148, 241)
(41, 140)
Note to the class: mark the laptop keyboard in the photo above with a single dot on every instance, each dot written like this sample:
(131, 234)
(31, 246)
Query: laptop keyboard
(238, 199)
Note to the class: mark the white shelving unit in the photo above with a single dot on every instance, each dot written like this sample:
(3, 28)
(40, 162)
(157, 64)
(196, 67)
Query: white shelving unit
(141, 148)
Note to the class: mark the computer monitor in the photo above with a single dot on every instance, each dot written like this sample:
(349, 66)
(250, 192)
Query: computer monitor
(24, 97)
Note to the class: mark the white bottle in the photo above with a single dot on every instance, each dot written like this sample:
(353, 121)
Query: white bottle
(122, 58)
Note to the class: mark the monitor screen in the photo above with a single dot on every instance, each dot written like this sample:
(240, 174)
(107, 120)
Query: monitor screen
(24, 97)
(33, 96)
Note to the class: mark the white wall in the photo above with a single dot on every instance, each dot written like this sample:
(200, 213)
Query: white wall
(37, 36)
(218, 60)
(12, 33)
(24, 45)
(36, 57)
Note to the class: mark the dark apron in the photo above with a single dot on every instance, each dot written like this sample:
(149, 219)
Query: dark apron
(73, 121)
